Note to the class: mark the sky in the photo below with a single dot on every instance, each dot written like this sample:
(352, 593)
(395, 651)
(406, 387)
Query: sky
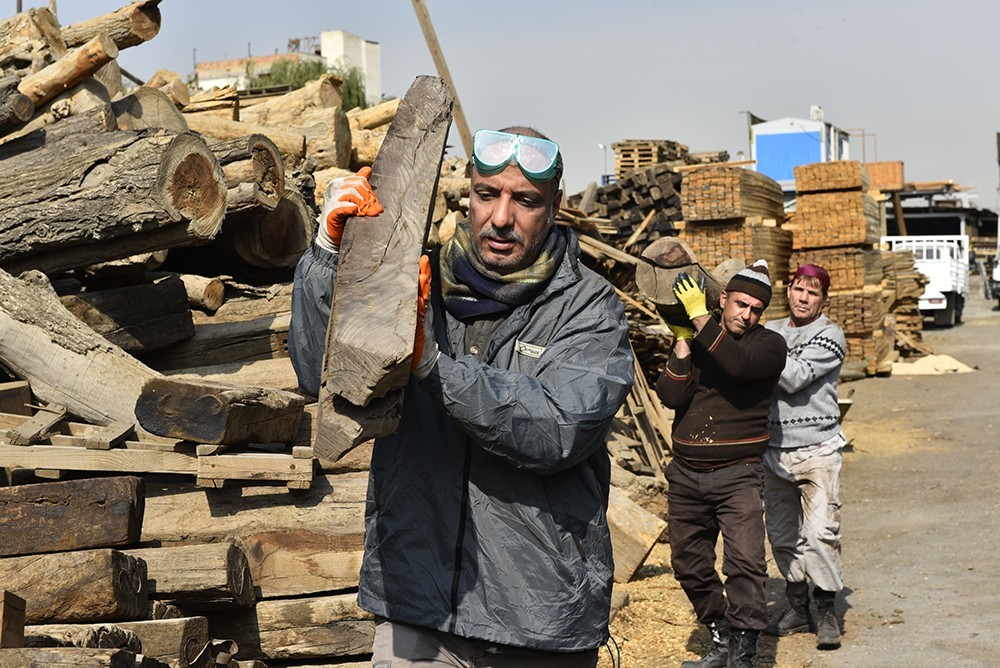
(919, 79)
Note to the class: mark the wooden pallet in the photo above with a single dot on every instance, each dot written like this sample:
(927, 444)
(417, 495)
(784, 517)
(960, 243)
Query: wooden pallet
(68, 446)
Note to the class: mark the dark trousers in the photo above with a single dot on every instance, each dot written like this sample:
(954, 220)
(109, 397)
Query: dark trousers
(702, 504)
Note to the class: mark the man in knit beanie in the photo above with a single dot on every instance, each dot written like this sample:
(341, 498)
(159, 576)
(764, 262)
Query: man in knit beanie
(719, 380)
(803, 460)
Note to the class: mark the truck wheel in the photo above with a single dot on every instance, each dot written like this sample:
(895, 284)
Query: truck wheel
(945, 317)
(959, 308)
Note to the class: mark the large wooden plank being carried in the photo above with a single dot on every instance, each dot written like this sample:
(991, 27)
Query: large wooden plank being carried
(719, 193)
(80, 586)
(103, 512)
(373, 317)
(826, 176)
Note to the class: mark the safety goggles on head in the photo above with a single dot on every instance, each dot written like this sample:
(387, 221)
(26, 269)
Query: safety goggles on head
(492, 151)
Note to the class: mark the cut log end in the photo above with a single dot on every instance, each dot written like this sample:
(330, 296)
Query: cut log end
(145, 21)
(193, 185)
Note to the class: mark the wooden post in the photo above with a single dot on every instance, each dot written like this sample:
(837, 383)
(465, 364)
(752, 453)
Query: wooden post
(442, 67)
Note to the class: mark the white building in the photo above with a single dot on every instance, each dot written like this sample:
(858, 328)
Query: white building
(336, 48)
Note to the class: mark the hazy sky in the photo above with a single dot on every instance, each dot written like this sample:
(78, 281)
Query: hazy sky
(919, 77)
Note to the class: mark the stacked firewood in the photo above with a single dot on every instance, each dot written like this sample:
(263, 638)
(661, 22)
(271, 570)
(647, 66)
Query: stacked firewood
(837, 225)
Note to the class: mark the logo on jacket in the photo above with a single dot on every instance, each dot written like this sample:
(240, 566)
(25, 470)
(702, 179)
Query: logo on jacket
(528, 350)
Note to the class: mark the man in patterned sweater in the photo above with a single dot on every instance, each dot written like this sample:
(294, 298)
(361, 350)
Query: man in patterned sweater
(802, 463)
(719, 380)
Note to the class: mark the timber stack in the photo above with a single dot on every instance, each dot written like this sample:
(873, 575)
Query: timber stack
(837, 224)
(145, 384)
(735, 213)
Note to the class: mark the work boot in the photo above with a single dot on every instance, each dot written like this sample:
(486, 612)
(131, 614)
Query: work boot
(797, 618)
(827, 626)
(742, 648)
(716, 655)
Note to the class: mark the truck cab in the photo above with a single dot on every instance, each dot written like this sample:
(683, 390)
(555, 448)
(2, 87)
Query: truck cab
(944, 260)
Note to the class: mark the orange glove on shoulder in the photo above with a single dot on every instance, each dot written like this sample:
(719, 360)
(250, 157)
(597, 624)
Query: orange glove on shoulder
(345, 198)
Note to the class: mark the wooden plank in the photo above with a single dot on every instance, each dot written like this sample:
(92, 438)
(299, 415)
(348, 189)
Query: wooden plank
(37, 427)
(73, 657)
(109, 436)
(103, 512)
(373, 316)
(79, 586)
(11, 619)
(177, 642)
(15, 397)
(634, 533)
(107, 636)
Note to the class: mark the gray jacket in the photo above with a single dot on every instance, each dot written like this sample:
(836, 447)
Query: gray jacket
(486, 510)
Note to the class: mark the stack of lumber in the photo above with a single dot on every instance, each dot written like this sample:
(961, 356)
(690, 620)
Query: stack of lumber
(724, 192)
(837, 225)
(631, 154)
(731, 213)
(903, 285)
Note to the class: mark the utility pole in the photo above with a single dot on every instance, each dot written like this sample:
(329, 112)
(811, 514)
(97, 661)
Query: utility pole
(442, 67)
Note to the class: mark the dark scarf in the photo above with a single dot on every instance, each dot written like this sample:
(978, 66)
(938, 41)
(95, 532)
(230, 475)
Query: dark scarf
(471, 290)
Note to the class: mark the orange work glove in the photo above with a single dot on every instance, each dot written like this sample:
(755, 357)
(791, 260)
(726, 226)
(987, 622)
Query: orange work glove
(425, 349)
(345, 198)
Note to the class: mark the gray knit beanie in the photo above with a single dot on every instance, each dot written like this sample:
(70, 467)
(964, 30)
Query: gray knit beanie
(754, 281)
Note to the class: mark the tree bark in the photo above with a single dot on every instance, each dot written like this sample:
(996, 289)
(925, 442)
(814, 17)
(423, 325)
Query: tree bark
(80, 586)
(65, 361)
(103, 512)
(148, 108)
(94, 636)
(265, 337)
(74, 657)
(30, 40)
(15, 107)
(129, 26)
(202, 292)
(373, 117)
(69, 70)
(288, 109)
(206, 412)
(212, 576)
(82, 198)
(291, 144)
(373, 318)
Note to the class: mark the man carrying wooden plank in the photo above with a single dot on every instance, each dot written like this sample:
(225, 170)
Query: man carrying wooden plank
(719, 380)
(486, 530)
(802, 463)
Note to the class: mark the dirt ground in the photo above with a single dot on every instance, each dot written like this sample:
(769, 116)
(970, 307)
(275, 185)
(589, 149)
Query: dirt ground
(921, 497)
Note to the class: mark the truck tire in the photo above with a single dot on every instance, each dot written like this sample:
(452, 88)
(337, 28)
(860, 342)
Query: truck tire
(959, 308)
(945, 317)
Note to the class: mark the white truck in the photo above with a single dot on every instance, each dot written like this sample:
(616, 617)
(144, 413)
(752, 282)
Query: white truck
(944, 259)
(995, 277)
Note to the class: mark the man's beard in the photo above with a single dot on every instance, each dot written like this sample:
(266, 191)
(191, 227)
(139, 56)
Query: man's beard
(516, 262)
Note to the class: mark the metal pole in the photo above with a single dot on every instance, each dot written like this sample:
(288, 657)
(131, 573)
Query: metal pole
(442, 67)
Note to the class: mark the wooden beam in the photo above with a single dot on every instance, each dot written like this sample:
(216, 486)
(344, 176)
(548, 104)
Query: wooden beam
(211, 576)
(102, 512)
(11, 619)
(373, 316)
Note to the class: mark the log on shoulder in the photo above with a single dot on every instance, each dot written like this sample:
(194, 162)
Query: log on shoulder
(373, 317)
(66, 362)
(207, 412)
(81, 586)
(103, 512)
